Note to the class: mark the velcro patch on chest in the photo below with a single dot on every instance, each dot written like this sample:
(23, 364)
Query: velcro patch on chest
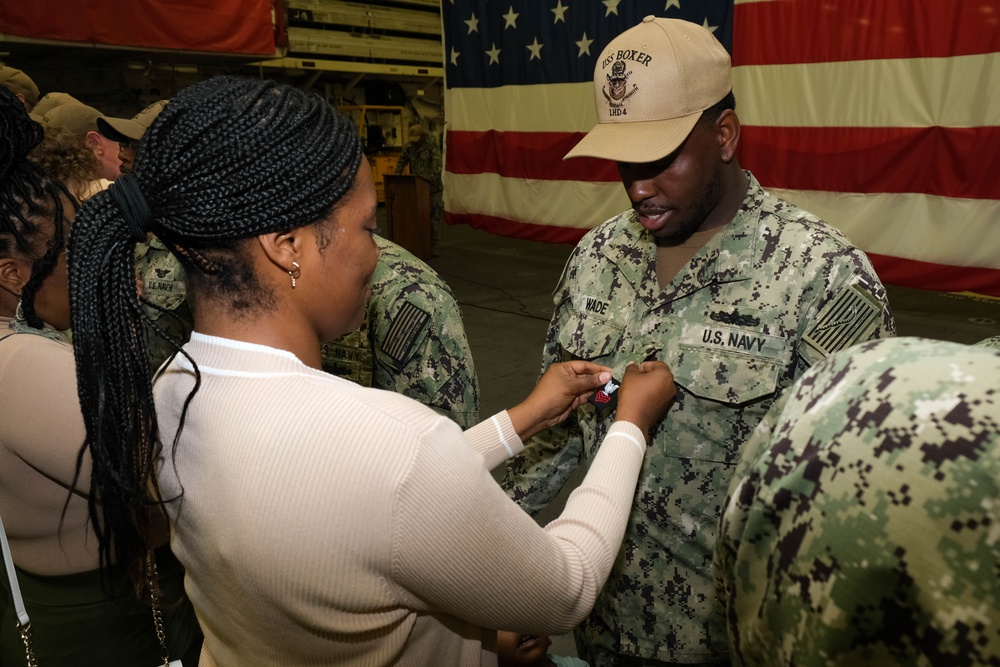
(592, 305)
(732, 339)
(404, 331)
(349, 357)
(849, 318)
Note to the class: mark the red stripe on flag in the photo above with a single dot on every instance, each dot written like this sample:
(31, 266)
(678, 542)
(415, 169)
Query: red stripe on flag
(532, 155)
(839, 30)
(932, 160)
(516, 228)
(937, 277)
(228, 26)
(950, 162)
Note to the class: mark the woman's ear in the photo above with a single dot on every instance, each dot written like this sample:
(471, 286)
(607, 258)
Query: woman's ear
(282, 249)
(14, 273)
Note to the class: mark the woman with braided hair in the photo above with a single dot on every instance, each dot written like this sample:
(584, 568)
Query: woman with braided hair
(319, 522)
(80, 615)
(31, 218)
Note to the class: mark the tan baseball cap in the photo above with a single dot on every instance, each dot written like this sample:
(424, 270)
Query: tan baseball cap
(651, 85)
(18, 82)
(50, 101)
(130, 129)
(79, 119)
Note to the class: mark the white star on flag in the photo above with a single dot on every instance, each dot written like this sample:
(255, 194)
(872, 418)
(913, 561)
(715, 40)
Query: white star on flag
(454, 56)
(510, 18)
(560, 12)
(584, 45)
(473, 24)
(710, 28)
(494, 54)
(612, 6)
(536, 50)
(672, 3)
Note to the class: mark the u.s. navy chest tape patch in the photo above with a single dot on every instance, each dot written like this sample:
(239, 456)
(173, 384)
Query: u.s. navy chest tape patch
(403, 332)
(732, 339)
(849, 318)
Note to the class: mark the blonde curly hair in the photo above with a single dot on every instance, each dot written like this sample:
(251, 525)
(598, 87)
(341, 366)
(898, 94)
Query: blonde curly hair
(67, 159)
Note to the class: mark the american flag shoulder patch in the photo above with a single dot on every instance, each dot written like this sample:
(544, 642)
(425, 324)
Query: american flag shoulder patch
(849, 318)
(403, 332)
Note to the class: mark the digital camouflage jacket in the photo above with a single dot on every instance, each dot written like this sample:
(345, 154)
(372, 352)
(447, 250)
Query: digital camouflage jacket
(863, 525)
(412, 340)
(773, 292)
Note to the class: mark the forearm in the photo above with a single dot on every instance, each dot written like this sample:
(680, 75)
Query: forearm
(503, 569)
(595, 517)
(527, 421)
(495, 439)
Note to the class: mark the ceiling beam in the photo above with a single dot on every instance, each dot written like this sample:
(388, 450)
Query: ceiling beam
(360, 15)
(306, 64)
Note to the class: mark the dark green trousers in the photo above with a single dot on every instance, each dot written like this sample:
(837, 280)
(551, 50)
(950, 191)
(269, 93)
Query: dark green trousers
(75, 622)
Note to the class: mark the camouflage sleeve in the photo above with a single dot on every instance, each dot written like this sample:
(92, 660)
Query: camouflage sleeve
(862, 529)
(535, 476)
(441, 373)
(421, 350)
(436, 165)
(851, 307)
(404, 159)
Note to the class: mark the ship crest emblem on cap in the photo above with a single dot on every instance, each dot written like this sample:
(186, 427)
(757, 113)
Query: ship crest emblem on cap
(616, 92)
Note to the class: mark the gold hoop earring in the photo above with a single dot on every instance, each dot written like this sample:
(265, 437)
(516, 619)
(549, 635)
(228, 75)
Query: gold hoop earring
(295, 273)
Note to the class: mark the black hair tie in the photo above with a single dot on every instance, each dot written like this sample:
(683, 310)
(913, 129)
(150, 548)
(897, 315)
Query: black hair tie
(133, 206)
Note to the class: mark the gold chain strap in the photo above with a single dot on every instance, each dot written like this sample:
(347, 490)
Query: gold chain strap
(29, 651)
(152, 578)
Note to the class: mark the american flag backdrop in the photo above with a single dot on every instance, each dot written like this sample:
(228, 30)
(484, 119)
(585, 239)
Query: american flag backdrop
(881, 116)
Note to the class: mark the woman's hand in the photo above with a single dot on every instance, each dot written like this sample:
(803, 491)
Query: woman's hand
(647, 391)
(560, 390)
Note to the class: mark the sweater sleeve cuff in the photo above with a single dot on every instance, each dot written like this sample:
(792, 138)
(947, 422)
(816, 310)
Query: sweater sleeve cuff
(495, 439)
(622, 452)
(630, 432)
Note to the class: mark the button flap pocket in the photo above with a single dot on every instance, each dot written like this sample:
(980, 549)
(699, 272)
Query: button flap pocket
(584, 336)
(727, 364)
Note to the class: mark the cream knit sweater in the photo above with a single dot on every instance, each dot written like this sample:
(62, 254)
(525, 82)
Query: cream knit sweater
(323, 523)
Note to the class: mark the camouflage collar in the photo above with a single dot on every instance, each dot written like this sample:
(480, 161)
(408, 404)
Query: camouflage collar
(727, 257)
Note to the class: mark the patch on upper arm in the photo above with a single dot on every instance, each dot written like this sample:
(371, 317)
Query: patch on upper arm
(404, 332)
(849, 318)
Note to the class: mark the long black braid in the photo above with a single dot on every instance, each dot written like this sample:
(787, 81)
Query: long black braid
(27, 197)
(228, 159)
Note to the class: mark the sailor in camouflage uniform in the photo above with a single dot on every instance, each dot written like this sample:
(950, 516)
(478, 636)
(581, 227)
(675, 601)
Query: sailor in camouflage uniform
(164, 294)
(412, 340)
(424, 158)
(770, 291)
(864, 526)
(164, 286)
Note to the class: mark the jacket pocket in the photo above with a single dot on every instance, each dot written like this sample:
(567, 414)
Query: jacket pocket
(584, 336)
(729, 365)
